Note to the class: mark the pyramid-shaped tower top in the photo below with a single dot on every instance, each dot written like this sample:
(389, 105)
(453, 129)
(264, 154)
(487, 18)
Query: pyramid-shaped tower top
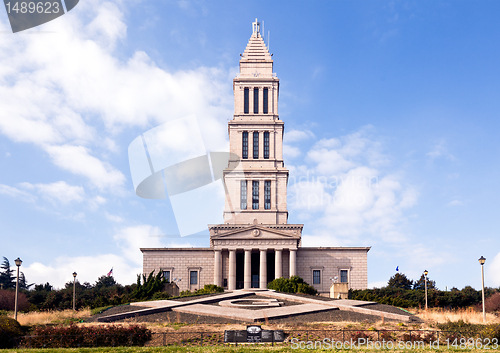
(256, 55)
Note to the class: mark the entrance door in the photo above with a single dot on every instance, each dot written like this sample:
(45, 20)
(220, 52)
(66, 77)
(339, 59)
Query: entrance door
(240, 261)
(255, 269)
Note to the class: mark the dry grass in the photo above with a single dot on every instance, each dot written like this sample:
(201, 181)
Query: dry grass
(52, 317)
(439, 315)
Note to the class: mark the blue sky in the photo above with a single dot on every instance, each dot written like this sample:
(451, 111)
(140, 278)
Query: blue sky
(402, 93)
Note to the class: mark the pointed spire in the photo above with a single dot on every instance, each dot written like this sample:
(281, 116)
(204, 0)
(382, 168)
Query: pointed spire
(256, 28)
(256, 61)
(256, 49)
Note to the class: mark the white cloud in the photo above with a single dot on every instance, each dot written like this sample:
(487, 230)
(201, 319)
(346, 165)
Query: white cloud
(56, 88)
(455, 203)
(298, 135)
(341, 185)
(113, 218)
(378, 284)
(59, 191)
(441, 150)
(131, 239)
(88, 269)
(493, 272)
(16, 193)
(290, 151)
(77, 160)
(126, 265)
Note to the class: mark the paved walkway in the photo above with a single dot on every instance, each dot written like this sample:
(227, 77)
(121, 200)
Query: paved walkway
(252, 315)
(199, 307)
(159, 306)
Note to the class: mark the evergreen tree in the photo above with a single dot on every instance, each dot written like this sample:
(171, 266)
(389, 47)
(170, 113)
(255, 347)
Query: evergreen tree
(105, 281)
(7, 278)
(399, 280)
(420, 284)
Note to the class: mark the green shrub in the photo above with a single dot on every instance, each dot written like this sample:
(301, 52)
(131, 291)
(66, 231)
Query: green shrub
(9, 330)
(160, 296)
(100, 310)
(86, 336)
(210, 288)
(467, 329)
(185, 293)
(294, 284)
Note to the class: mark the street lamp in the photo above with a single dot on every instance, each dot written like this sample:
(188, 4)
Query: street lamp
(482, 260)
(18, 262)
(425, 274)
(74, 290)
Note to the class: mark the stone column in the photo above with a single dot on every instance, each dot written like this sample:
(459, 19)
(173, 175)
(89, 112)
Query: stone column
(232, 270)
(218, 268)
(293, 262)
(278, 264)
(263, 269)
(247, 280)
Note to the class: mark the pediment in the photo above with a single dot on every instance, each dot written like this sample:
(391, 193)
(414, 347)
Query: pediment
(254, 232)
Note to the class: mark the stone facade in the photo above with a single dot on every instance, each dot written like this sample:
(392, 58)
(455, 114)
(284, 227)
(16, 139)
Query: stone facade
(256, 244)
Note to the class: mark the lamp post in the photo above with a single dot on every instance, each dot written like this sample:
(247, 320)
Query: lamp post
(74, 290)
(425, 275)
(482, 261)
(18, 262)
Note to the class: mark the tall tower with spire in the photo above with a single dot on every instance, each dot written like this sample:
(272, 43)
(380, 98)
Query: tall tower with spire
(256, 244)
(258, 193)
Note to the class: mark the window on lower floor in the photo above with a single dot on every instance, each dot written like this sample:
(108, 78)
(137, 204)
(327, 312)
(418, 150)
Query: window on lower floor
(243, 194)
(193, 277)
(166, 275)
(316, 276)
(344, 276)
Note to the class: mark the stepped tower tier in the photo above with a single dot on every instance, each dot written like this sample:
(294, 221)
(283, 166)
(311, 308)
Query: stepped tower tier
(258, 190)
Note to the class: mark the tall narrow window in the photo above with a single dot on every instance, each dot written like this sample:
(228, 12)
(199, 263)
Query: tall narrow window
(343, 276)
(255, 195)
(244, 147)
(243, 194)
(266, 145)
(256, 101)
(193, 277)
(246, 106)
(265, 101)
(256, 145)
(316, 276)
(166, 275)
(267, 195)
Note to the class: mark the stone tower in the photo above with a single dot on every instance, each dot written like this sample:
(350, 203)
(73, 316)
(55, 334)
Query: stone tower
(255, 212)
(258, 192)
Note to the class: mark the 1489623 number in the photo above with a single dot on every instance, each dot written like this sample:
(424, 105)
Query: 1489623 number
(32, 7)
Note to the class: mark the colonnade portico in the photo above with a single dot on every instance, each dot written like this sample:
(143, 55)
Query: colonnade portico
(247, 264)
